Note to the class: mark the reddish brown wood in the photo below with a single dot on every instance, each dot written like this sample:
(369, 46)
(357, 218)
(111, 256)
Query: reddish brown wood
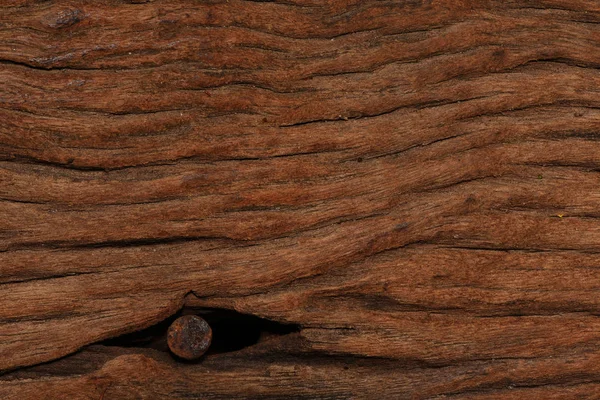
(411, 184)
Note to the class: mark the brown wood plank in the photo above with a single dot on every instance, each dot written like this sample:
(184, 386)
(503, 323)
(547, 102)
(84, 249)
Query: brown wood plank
(410, 187)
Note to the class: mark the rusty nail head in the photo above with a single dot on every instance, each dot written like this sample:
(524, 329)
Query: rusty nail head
(189, 337)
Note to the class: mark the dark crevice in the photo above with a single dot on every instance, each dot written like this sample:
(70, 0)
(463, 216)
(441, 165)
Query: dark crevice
(39, 66)
(415, 106)
(56, 245)
(232, 331)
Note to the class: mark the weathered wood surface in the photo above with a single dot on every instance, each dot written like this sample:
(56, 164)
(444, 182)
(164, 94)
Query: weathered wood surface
(413, 184)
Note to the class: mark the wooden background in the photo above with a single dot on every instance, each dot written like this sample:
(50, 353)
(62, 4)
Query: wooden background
(408, 190)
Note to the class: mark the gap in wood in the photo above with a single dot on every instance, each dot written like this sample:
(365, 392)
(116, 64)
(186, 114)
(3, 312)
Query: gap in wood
(232, 331)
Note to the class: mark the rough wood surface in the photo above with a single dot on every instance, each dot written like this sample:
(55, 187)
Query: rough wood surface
(413, 184)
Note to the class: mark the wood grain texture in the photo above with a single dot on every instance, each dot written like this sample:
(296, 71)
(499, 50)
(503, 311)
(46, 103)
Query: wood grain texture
(413, 184)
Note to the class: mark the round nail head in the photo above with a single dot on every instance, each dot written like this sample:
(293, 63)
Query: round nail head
(189, 337)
